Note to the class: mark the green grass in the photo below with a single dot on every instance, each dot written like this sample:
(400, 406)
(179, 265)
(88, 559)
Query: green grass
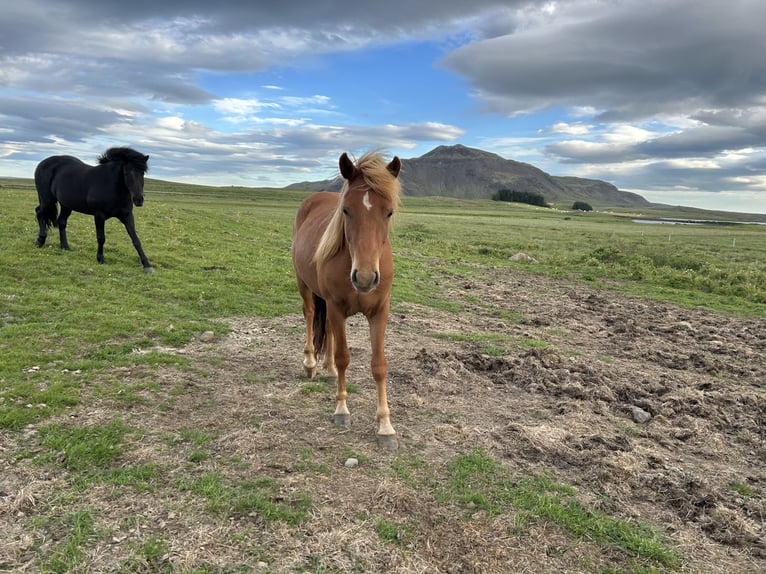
(741, 489)
(480, 483)
(67, 554)
(261, 496)
(492, 344)
(84, 450)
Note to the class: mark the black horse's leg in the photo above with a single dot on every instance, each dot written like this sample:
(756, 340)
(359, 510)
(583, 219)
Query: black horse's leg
(39, 211)
(100, 237)
(130, 227)
(62, 221)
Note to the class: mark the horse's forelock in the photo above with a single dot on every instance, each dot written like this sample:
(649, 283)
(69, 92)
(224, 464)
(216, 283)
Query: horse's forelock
(127, 155)
(374, 169)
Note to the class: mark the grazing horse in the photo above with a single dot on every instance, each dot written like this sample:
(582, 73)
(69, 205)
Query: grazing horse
(107, 190)
(343, 266)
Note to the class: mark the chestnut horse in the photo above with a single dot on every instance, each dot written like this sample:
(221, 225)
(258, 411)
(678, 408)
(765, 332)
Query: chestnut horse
(343, 265)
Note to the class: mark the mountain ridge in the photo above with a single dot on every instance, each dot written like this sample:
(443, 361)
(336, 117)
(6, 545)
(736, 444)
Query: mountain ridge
(469, 173)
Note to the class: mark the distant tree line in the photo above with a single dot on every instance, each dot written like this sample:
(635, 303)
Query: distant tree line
(529, 197)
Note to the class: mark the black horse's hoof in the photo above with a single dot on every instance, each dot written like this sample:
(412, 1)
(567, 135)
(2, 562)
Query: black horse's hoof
(342, 420)
(388, 441)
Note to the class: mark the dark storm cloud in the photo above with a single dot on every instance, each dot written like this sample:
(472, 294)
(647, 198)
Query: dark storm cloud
(630, 60)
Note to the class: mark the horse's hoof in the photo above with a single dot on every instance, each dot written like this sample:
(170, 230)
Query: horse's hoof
(332, 380)
(342, 420)
(388, 441)
(148, 269)
(310, 372)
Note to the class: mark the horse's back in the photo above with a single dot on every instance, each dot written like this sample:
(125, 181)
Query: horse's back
(51, 166)
(55, 162)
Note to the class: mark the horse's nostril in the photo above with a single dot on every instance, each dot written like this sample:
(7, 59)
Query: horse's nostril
(354, 277)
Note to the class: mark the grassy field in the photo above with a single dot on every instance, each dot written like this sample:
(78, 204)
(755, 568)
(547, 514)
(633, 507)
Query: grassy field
(225, 252)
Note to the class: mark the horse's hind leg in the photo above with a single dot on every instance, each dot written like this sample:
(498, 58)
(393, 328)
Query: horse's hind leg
(61, 222)
(329, 357)
(309, 355)
(46, 213)
(43, 234)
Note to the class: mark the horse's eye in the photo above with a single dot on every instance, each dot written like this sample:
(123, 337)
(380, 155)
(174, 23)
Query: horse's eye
(345, 212)
(390, 214)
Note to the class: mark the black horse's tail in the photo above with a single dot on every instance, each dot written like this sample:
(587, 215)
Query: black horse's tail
(47, 211)
(320, 322)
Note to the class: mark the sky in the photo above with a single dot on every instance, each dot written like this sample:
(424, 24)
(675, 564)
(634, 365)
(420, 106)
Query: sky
(665, 98)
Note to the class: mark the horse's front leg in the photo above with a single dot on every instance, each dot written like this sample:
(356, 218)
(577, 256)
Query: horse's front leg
(336, 326)
(386, 433)
(61, 223)
(130, 226)
(100, 237)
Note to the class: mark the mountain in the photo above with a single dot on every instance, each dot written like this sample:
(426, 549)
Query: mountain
(464, 172)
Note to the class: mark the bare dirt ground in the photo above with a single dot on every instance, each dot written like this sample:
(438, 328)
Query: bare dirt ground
(652, 412)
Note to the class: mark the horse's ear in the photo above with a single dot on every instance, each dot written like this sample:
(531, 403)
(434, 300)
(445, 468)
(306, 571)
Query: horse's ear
(146, 158)
(395, 166)
(346, 166)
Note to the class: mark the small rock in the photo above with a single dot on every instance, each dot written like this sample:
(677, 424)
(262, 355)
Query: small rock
(640, 416)
(351, 462)
(207, 336)
(524, 258)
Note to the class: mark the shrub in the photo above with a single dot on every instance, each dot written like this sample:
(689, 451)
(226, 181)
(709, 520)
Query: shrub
(581, 206)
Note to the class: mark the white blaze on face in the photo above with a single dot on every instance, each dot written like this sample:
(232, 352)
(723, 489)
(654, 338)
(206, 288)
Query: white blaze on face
(366, 201)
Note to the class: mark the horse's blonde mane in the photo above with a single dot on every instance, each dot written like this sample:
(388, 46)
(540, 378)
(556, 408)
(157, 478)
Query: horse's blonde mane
(376, 177)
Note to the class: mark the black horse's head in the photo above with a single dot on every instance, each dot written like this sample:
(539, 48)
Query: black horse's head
(134, 166)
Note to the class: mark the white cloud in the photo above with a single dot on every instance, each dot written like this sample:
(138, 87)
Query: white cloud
(241, 107)
(577, 128)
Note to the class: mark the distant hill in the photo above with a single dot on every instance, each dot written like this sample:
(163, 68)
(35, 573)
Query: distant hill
(464, 172)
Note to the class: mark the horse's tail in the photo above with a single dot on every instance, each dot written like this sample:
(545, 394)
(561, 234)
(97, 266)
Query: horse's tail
(320, 322)
(47, 211)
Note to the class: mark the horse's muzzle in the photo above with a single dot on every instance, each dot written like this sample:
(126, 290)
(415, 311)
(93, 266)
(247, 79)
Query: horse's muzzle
(138, 201)
(365, 282)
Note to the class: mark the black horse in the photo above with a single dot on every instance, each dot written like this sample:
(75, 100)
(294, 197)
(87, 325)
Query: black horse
(107, 190)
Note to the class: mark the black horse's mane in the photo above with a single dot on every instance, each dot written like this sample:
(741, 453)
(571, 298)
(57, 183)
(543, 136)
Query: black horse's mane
(127, 155)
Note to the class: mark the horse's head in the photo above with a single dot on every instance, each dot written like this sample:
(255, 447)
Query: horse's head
(134, 181)
(368, 204)
(134, 165)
